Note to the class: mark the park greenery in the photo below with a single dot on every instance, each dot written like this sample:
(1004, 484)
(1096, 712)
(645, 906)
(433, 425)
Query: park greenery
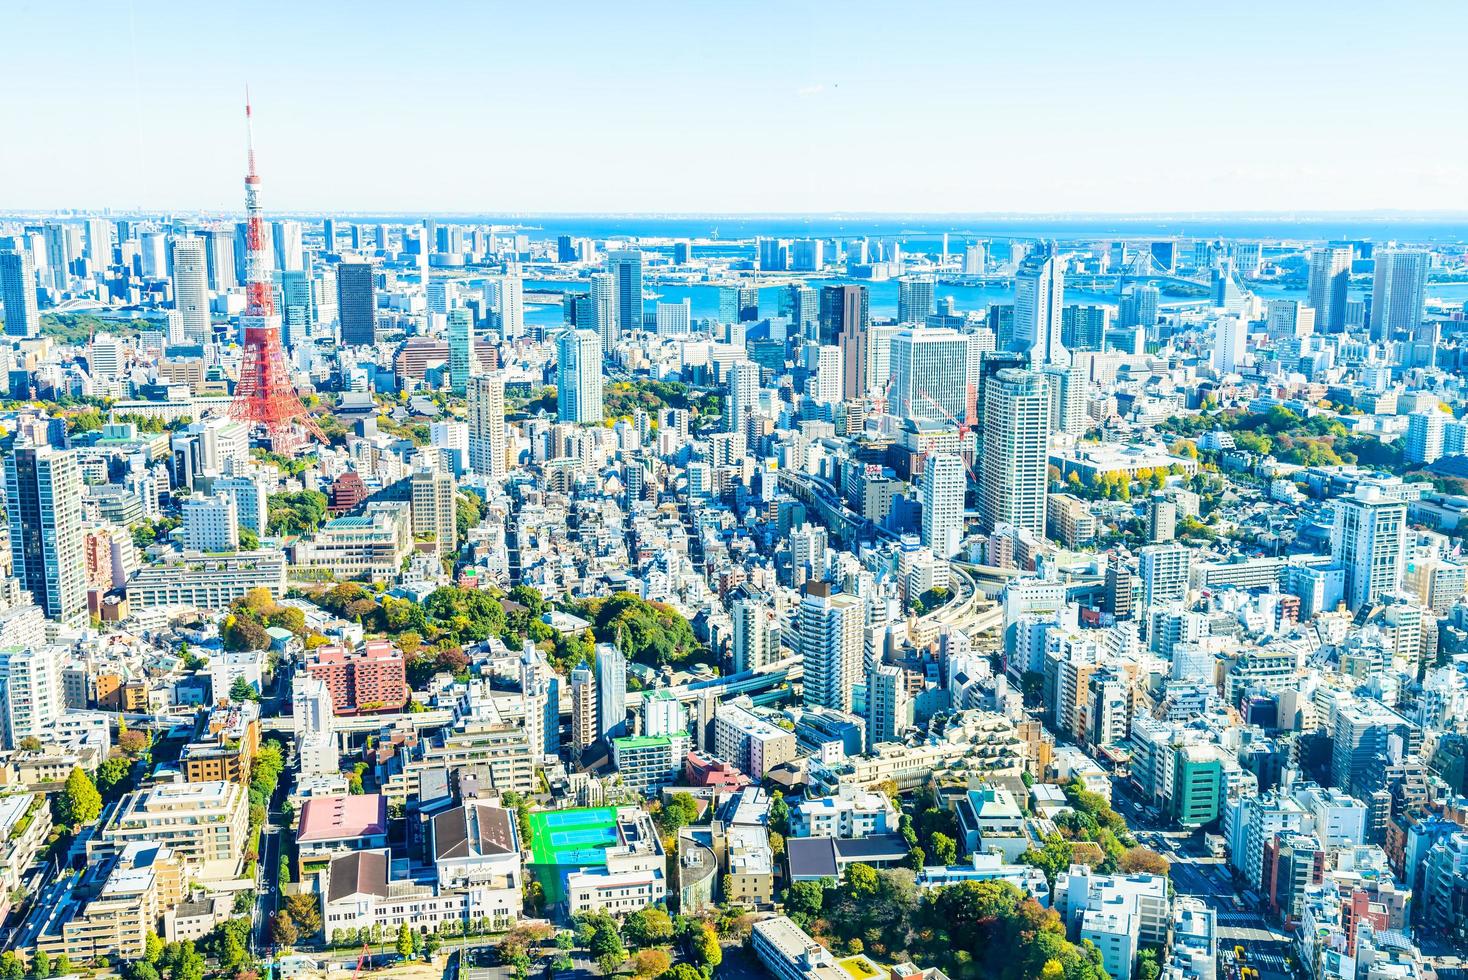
(972, 931)
(249, 617)
(296, 512)
(1319, 440)
(432, 634)
(78, 328)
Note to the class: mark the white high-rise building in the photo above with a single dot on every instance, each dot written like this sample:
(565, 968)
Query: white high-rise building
(824, 385)
(286, 241)
(153, 254)
(314, 717)
(504, 297)
(99, 245)
(487, 425)
(1369, 540)
(604, 308)
(1288, 319)
(1398, 291)
(211, 523)
(743, 394)
(1039, 301)
(754, 641)
(611, 691)
(944, 481)
(889, 706)
(830, 630)
(1425, 436)
(1230, 344)
(674, 319)
(31, 696)
(578, 376)
(43, 500)
(191, 287)
(1164, 572)
(1330, 278)
(1014, 474)
(929, 371)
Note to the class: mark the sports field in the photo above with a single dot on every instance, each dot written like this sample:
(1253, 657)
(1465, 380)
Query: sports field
(572, 837)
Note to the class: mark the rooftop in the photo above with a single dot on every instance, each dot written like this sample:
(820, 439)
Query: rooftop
(343, 817)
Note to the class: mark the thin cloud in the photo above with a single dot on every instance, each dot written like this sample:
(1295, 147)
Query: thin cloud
(810, 91)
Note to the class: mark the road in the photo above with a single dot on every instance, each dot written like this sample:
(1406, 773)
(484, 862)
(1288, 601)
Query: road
(267, 899)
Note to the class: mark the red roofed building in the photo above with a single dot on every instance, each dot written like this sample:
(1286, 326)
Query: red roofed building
(332, 825)
(710, 771)
(372, 678)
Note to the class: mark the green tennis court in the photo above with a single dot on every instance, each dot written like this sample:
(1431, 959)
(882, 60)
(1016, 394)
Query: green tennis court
(572, 836)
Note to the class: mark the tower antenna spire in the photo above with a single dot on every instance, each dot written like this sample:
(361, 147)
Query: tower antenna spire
(265, 397)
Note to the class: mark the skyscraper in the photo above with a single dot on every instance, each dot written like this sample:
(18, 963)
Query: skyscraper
(754, 643)
(603, 300)
(191, 287)
(829, 630)
(504, 297)
(434, 512)
(611, 691)
(1369, 540)
(945, 480)
(356, 303)
(738, 304)
(463, 364)
(1398, 291)
(99, 245)
(31, 696)
(286, 237)
(1230, 344)
(915, 300)
(219, 257)
(1015, 461)
(1425, 436)
(1039, 301)
(929, 374)
(58, 254)
(743, 390)
(843, 308)
(625, 268)
(1330, 277)
(487, 425)
(18, 293)
(578, 376)
(43, 496)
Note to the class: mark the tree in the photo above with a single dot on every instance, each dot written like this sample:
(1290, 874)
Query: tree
(681, 971)
(405, 941)
(41, 965)
(112, 774)
(1144, 860)
(679, 811)
(606, 945)
(10, 966)
(242, 690)
(249, 540)
(651, 926)
(79, 803)
(283, 930)
(62, 966)
(779, 819)
(704, 950)
(152, 947)
(651, 963)
(804, 898)
(861, 880)
(944, 849)
(305, 912)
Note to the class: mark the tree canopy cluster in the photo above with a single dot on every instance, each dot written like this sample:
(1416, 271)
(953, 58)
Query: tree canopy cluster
(972, 931)
(296, 512)
(250, 615)
(648, 632)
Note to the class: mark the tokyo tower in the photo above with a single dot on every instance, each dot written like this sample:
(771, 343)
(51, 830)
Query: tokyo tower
(265, 396)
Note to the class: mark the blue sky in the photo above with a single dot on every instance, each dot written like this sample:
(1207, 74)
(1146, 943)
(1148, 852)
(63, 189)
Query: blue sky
(738, 107)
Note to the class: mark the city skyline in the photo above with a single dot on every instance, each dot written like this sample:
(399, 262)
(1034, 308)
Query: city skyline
(813, 113)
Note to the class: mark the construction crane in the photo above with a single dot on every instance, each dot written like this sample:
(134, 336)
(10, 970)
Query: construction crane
(364, 957)
(964, 426)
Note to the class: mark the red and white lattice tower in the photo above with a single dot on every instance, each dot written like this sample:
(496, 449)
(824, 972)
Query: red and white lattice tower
(265, 396)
